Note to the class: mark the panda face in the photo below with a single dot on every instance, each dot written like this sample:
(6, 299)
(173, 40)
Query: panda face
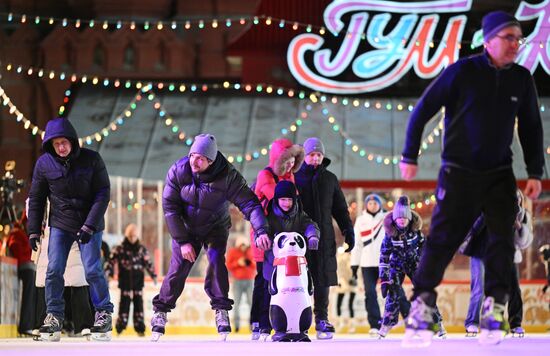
(289, 244)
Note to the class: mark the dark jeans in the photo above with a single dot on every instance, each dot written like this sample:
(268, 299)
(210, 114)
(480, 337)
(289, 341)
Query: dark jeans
(515, 304)
(216, 282)
(340, 301)
(370, 277)
(462, 195)
(126, 297)
(259, 311)
(58, 250)
(320, 303)
(27, 277)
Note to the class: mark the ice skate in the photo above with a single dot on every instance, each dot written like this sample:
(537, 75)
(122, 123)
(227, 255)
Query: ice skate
(518, 332)
(419, 325)
(158, 323)
(101, 331)
(264, 334)
(493, 326)
(472, 330)
(374, 332)
(442, 332)
(325, 330)
(384, 330)
(352, 326)
(36, 335)
(255, 331)
(222, 323)
(51, 330)
(86, 333)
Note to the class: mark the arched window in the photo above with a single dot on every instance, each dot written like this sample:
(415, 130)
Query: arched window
(161, 55)
(69, 56)
(99, 57)
(129, 57)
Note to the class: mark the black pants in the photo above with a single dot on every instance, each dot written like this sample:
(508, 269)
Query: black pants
(340, 301)
(259, 311)
(370, 277)
(515, 304)
(28, 300)
(126, 298)
(462, 196)
(320, 303)
(78, 311)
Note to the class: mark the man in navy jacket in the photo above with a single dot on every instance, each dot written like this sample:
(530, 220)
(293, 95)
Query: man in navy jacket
(76, 183)
(482, 95)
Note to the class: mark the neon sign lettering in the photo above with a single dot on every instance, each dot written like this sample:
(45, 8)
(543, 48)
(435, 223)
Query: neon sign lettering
(408, 45)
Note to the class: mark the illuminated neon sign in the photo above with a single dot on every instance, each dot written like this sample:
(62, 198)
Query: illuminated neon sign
(410, 44)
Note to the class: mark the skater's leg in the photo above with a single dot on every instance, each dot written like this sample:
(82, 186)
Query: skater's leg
(216, 282)
(139, 323)
(123, 310)
(458, 205)
(174, 281)
(95, 276)
(515, 304)
(27, 276)
(80, 302)
(339, 301)
(320, 303)
(238, 291)
(404, 304)
(59, 244)
(370, 278)
(477, 277)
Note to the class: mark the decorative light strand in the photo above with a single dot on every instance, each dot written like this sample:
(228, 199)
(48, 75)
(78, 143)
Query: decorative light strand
(19, 117)
(204, 23)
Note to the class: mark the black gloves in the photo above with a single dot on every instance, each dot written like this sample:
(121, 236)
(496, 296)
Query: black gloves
(350, 240)
(384, 287)
(85, 234)
(34, 240)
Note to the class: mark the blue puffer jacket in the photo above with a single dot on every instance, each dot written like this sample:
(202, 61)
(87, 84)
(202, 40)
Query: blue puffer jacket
(197, 205)
(77, 187)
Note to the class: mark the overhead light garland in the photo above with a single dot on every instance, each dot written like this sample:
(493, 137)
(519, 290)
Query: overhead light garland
(222, 23)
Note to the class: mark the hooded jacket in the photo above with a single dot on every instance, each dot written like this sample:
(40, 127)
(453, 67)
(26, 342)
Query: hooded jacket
(323, 199)
(197, 205)
(281, 151)
(77, 186)
(133, 260)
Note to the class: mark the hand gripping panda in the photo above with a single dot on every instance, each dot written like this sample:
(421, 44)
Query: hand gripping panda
(291, 288)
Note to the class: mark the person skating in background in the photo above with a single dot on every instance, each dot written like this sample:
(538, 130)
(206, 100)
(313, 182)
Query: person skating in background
(347, 285)
(475, 247)
(285, 214)
(399, 256)
(19, 248)
(485, 97)
(544, 251)
(76, 183)
(369, 233)
(196, 197)
(285, 158)
(132, 260)
(242, 267)
(323, 200)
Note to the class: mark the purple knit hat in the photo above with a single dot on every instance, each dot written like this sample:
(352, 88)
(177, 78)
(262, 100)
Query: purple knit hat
(495, 21)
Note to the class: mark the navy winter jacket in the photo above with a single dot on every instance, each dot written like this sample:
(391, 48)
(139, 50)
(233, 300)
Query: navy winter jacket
(481, 105)
(77, 187)
(196, 205)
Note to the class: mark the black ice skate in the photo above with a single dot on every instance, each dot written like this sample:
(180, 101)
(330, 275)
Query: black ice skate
(103, 325)
(518, 332)
(419, 325)
(493, 326)
(222, 323)
(51, 329)
(158, 323)
(472, 330)
(325, 330)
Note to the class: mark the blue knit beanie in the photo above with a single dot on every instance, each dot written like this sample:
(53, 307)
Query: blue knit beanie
(495, 21)
(374, 197)
(314, 144)
(205, 144)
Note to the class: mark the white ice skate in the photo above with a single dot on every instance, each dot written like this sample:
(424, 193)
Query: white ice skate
(264, 334)
(222, 323)
(518, 332)
(442, 332)
(373, 332)
(51, 330)
(103, 325)
(86, 333)
(419, 325)
(158, 323)
(472, 330)
(493, 326)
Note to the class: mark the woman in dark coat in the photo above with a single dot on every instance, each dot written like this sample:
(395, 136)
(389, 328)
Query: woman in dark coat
(323, 200)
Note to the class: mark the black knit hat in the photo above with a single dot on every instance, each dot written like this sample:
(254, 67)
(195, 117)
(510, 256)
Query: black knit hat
(285, 189)
(495, 21)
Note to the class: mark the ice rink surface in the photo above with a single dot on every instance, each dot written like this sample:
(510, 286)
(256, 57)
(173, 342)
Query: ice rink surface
(346, 345)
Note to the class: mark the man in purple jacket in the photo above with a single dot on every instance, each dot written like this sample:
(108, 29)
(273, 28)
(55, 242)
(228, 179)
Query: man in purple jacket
(196, 198)
(76, 183)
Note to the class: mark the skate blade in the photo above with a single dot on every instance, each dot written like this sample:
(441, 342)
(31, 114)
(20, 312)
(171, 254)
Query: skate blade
(491, 337)
(264, 337)
(518, 335)
(155, 336)
(471, 334)
(322, 335)
(255, 336)
(102, 336)
(417, 338)
(50, 337)
(223, 335)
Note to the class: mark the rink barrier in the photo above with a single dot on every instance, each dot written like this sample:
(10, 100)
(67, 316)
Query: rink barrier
(9, 297)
